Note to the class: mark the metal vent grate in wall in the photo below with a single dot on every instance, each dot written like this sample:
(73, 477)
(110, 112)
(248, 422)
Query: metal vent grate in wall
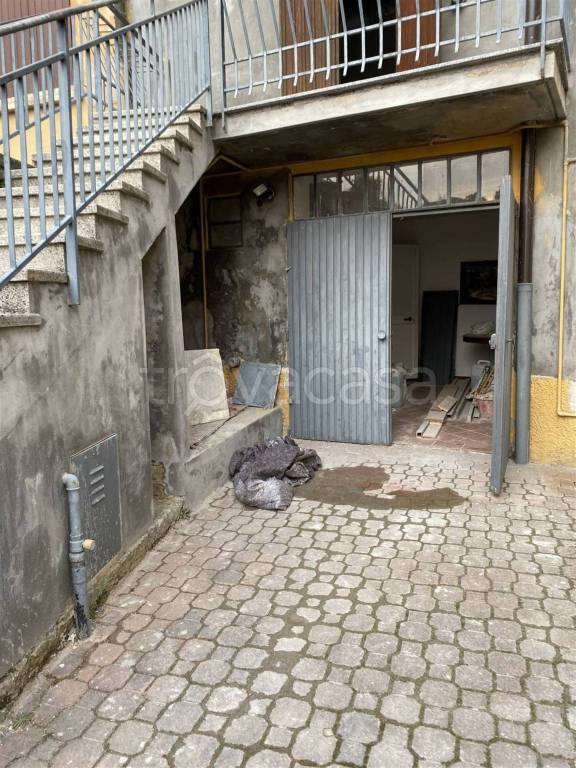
(97, 469)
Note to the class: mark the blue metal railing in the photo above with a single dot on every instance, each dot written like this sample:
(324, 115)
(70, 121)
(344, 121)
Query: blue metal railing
(74, 119)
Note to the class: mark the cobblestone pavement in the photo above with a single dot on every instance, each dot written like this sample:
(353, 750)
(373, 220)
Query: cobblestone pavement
(332, 635)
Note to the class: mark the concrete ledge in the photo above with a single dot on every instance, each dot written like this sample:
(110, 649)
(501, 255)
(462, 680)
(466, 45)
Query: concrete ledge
(477, 97)
(166, 512)
(207, 468)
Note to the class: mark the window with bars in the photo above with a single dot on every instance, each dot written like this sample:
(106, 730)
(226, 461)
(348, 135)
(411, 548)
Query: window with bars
(445, 182)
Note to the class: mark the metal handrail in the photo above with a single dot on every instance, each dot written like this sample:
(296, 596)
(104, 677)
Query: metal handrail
(117, 92)
(29, 22)
(25, 41)
(274, 50)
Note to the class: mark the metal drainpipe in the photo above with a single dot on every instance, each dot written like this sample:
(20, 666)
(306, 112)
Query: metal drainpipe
(77, 557)
(524, 307)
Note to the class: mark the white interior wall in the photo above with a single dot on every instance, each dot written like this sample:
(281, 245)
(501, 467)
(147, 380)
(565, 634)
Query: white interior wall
(444, 241)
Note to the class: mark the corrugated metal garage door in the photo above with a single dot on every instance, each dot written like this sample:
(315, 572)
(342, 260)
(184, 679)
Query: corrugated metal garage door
(339, 328)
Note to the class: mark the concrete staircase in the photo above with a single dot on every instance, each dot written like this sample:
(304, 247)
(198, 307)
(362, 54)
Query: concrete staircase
(123, 205)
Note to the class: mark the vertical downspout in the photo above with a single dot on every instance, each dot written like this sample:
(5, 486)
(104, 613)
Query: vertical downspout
(524, 304)
(77, 557)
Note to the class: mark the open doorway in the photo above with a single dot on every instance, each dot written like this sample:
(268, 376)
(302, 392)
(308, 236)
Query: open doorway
(364, 40)
(444, 278)
(374, 41)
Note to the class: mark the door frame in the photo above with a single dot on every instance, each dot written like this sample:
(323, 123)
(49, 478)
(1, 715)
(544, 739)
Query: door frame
(416, 320)
(503, 340)
(423, 212)
(514, 270)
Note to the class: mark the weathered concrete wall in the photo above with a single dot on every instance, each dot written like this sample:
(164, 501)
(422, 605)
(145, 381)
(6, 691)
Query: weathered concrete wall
(80, 376)
(547, 245)
(553, 435)
(63, 387)
(189, 234)
(166, 368)
(247, 286)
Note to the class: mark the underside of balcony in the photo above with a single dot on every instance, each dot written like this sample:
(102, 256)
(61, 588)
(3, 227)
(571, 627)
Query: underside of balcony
(442, 103)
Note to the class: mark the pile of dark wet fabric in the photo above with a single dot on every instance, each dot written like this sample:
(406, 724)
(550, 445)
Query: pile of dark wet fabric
(264, 475)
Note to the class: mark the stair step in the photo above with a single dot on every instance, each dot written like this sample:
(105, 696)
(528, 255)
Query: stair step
(49, 266)
(166, 147)
(138, 136)
(19, 320)
(109, 197)
(191, 114)
(154, 158)
(127, 188)
(33, 274)
(170, 133)
(52, 258)
(135, 174)
(87, 224)
(15, 298)
(148, 170)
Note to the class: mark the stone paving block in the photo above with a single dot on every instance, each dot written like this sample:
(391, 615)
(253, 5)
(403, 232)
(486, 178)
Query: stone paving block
(314, 747)
(331, 635)
(245, 731)
(198, 751)
(180, 717)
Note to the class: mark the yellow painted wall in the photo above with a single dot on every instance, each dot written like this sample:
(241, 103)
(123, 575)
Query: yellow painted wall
(552, 437)
(15, 145)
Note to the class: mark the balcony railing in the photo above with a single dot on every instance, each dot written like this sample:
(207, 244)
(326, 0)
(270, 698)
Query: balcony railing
(35, 38)
(75, 115)
(275, 49)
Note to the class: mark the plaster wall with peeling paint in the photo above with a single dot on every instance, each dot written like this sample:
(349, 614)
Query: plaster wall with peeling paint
(246, 285)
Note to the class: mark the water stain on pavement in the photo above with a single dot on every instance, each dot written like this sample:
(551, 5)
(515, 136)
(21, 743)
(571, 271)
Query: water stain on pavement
(351, 486)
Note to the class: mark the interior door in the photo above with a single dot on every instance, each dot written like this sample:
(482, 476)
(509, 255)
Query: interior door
(339, 328)
(405, 306)
(503, 340)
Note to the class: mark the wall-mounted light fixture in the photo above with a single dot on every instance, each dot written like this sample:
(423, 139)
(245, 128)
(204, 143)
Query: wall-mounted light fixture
(264, 193)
